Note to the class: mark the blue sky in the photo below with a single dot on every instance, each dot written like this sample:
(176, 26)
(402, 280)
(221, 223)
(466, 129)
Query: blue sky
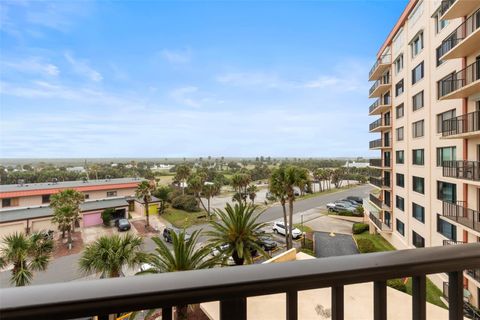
(175, 78)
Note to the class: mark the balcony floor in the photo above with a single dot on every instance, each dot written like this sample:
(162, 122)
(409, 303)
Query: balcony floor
(466, 135)
(465, 48)
(380, 90)
(380, 109)
(381, 128)
(459, 9)
(381, 68)
(463, 92)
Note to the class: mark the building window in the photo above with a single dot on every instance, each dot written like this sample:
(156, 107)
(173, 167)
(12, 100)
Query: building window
(417, 240)
(418, 157)
(111, 193)
(417, 73)
(400, 203)
(46, 198)
(399, 88)
(418, 184)
(417, 101)
(399, 157)
(444, 116)
(446, 154)
(439, 54)
(417, 44)
(398, 64)
(87, 196)
(418, 212)
(446, 229)
(399, 132)
(447, 191)
(400, 227)
(9, 202)
(399, 111)
(440, 23)
(400, 180)
(418, 129)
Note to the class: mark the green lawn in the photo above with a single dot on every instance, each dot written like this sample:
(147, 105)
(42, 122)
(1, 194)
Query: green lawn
(378, 241)
(183, 219)
(433, 292)
(303, 228)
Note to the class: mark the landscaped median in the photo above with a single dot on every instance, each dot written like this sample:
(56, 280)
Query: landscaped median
(368, 243)
(183, 219)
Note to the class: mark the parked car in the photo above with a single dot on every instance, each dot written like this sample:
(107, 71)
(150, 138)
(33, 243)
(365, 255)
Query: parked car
(279, 227)
(353, 203)
(167, 234)
(356, 199)
(339, 207)
(266, 243)
(122, 224)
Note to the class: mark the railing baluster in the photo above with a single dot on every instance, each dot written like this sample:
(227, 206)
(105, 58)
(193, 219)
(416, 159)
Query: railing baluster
(167, 313)
(455, 295)
(337, 303)
(233, 309)
(292, 305)
(419, 298)
(380, 300)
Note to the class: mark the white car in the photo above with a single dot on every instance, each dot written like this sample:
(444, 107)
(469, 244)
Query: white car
(279, 227)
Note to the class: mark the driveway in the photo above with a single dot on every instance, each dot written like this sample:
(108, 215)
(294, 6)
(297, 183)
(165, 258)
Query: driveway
(333, 244)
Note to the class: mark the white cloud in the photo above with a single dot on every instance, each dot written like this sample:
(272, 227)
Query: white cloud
(82, 68)
(176, 56)
(322, 82)
(32, 65)
(252, 79)
(184, 96)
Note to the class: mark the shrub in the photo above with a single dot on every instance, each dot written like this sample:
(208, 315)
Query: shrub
(360, 211)
(185, 202)
(107, 216)
(358, 228)
(397, 284)
(366, 246)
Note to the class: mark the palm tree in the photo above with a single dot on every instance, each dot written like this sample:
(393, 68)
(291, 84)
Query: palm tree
(64, 217)
(209, 191)
(252, 192)
(27, 254)
(240, 182)
(144, 191)
(68, 198)
(196, 184)
(183, 172)
(184, 256)
(109, 254)
(239, 229)
(162, 194)
(278, 189)
(284, 183)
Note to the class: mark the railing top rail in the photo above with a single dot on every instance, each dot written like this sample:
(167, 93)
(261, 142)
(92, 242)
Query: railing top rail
(82, 298)
(454, 77)
(461, 27)
(380, 60)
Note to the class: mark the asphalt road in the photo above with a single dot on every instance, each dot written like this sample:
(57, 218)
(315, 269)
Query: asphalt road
(66, 268)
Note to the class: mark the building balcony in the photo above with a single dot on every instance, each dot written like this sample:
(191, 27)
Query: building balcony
(380, 125)
(461, 127)
(461, 169)
(231, 286)
(452, 242)
(379, 224)
(461, 84)
(380, 144)
(380, 164)
(380, 106)
(464, 40)
(460, 214)
(380, 87)
(380, 182)
(380, 66)
(452, 9)
(474, 273)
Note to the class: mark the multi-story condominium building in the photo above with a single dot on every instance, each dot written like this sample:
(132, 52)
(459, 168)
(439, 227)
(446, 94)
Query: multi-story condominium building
(25, 206)
(427, 91)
